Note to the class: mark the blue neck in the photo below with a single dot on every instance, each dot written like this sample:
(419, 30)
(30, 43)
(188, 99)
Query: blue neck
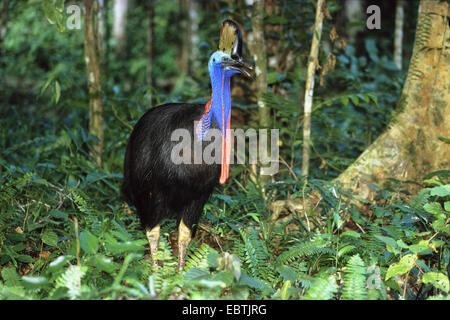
(221, 97)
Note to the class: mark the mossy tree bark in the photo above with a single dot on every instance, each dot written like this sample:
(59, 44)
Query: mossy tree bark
(94, 82)
(411, 147)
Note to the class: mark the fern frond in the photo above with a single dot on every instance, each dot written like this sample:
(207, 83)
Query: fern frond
(304, 250)
(255, 256)
(81, 202)
(164, 278)
(355, 280)
(322, 289)
(198, 258)
(71, 279)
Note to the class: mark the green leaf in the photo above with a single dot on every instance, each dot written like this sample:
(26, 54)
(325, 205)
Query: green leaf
(402, 244)
(122, 247)
(103, 263)
(437, 279)
(45, 86)
(25, 258)
(59, 5)
(391, 245)
(447, 206)
(10, 276)
(53, 13)
(57, 92)
(196, 274)
(88, 242)
(420, 247)
(441, 191)
(446, 140)
(50, 237)
(405, 264)
(344, 100)
(433, 181)
(434, 208)
(58, 263)
(355, 100)
(34, 282)
(284, 292)
(351, 233)
(225, 277)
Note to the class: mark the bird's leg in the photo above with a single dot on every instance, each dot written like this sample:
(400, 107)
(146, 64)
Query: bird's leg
(153, 240)
(184, 237)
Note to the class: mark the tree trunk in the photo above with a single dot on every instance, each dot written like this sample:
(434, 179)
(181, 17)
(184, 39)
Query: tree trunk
(193, 37)
(354, 13)
(183, 56)
(399, 17)
(94, 84)
(257, 47)
(411, 147)
(3, 23)
(150, 50)
(309, 87)
(100, 29)
(120, 25)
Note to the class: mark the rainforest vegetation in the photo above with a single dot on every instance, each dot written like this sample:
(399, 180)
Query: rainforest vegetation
(360, 205)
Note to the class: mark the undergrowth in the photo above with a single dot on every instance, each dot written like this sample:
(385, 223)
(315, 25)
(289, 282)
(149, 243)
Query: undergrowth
(58, 243)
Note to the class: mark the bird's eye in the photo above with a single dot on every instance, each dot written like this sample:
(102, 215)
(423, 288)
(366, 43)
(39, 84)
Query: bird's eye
(214, 59)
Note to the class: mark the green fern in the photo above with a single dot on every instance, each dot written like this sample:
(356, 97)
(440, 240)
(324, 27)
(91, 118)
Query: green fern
(304, 249)
(256, 255)
(322, 289)
(355, 280)
(71, 279)
(165, 278)
(198, 258)
(80, 202)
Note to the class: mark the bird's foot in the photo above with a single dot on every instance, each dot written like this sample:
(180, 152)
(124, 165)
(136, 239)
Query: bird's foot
(184, 237)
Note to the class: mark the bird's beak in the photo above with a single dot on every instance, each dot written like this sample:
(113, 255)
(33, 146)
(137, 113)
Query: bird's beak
(243, 67)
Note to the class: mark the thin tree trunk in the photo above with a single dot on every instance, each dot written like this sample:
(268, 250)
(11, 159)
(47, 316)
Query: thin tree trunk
(184, 50)
(354, 13)
(3, 23)
(94, 84)
(150, 50)
(100, 29)
(120, 25)
(399, 17)
(257, 47)
(309, 87)
(193, 37)
(411, 147)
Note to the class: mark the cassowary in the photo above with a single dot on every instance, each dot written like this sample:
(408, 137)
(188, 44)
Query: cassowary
(153, 183)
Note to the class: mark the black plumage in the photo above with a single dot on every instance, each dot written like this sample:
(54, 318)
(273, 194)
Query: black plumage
(152, 183)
